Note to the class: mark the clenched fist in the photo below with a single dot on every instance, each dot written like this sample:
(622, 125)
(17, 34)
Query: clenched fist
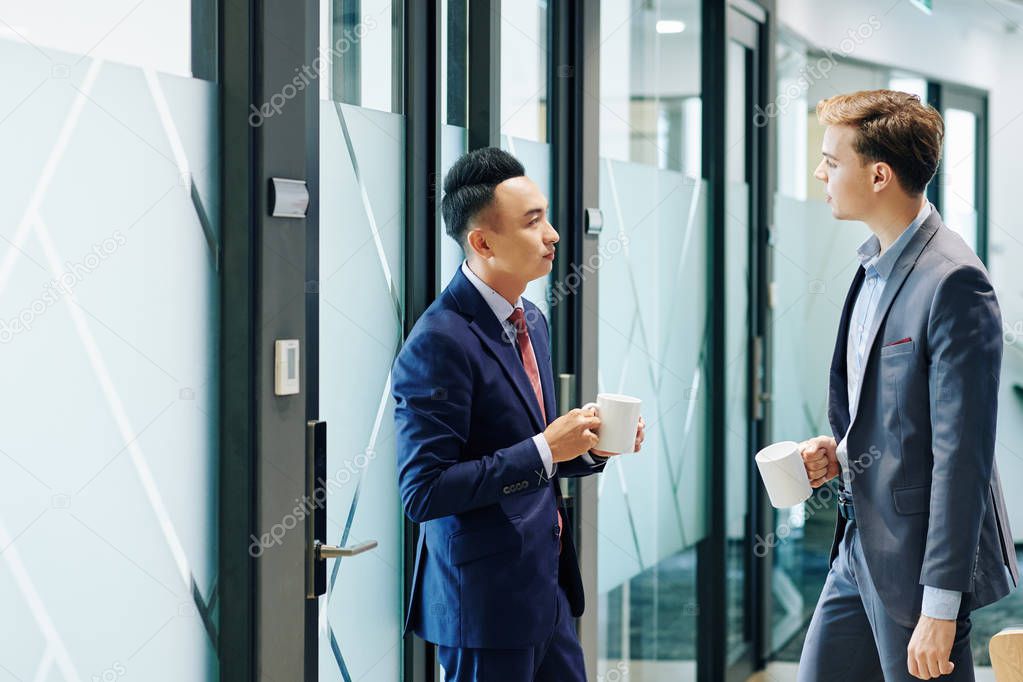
(820, 459)
(571, 434)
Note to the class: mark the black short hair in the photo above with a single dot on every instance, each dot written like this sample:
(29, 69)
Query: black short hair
(469, 187)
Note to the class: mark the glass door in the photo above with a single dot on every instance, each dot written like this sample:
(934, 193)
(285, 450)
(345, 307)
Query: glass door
(361, 317)
(743, 341)
(962, 183)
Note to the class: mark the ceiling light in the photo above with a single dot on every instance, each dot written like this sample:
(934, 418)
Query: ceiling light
(670, 26)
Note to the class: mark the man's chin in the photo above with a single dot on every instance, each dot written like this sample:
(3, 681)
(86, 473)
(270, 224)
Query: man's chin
(838, 214)
(545, 269)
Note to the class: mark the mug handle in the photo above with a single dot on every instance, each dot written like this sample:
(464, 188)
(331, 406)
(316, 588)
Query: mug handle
(594, 406)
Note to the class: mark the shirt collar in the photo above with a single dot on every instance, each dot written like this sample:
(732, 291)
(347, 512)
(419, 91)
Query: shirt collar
(882, 264)
(498, 304)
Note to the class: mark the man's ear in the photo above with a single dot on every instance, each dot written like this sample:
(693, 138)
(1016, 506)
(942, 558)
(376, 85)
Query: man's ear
(884, 176)
(476, 240)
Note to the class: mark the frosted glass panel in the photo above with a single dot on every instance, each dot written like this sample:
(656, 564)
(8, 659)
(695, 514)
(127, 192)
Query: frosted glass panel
(653, 339)
(814, 262)
(653, 332)
(361, 288)
(109, 328)
(652, 342)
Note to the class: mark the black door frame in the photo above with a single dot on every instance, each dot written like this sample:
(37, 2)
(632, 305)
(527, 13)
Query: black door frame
(262, 451)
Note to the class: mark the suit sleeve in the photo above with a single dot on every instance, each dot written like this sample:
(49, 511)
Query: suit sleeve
(433, 397)
(964, 338)
(579, 467)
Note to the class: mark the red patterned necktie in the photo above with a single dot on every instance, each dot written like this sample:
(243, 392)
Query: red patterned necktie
(517, 318)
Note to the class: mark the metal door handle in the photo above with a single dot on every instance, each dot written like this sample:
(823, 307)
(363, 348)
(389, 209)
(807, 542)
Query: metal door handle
(331, 552)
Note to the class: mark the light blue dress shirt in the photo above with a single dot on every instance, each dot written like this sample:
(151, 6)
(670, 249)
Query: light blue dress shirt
(878, 266)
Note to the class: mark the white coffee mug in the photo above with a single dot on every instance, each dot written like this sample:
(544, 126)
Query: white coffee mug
(781, 467)
(619, 422)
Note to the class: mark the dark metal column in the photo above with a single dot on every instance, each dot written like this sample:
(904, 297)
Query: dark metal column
(263, 605)
(238, 345)
(711, 553)
(422, 189)
(573, 119)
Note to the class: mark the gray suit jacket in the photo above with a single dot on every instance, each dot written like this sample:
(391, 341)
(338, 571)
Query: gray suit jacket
(928, 499)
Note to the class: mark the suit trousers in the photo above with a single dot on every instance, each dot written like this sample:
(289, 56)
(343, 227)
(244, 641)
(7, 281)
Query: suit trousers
(853, 639)
(557, 659)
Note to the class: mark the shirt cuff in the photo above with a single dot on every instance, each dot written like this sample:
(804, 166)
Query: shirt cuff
(546, 456)
(593, 459)
(941, 604)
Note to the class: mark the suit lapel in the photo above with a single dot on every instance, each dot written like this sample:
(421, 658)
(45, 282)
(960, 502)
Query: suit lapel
(486, 326)
(491, 333)
(903, 266)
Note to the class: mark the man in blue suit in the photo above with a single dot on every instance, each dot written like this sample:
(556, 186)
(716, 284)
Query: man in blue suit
(496, 581)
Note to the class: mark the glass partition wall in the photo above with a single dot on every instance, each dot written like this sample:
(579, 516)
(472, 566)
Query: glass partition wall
(361, 321)
(653, 336)
(110, 258)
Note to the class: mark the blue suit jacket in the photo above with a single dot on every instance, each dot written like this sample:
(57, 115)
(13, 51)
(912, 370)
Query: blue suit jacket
(487, 562)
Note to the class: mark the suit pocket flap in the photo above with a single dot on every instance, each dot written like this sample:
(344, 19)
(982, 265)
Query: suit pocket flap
(914, 500)
(470, 545)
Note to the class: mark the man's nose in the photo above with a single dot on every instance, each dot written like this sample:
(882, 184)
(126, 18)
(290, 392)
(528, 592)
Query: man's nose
(552, 235)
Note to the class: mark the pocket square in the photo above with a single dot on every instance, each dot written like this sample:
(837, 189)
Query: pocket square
(896, 343)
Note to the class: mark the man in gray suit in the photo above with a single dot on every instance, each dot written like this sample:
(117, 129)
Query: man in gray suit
(922, 535)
